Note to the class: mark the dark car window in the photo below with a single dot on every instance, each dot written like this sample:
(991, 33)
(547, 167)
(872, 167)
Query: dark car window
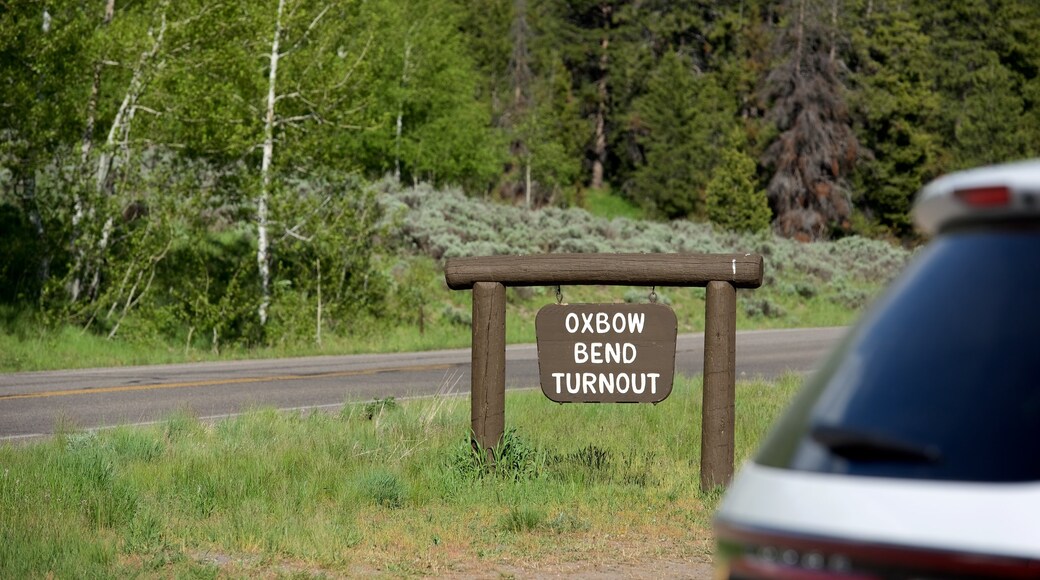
(941, 380)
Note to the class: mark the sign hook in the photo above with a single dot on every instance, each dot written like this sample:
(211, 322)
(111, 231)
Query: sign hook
(653, 295)
(559, 295)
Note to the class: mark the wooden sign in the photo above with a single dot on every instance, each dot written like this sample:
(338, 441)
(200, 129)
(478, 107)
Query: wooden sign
(606, 353)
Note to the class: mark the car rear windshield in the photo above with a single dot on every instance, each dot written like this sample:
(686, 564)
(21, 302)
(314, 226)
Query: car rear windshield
(940, 380)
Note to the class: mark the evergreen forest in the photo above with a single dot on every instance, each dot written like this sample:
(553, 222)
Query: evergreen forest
(218, 167)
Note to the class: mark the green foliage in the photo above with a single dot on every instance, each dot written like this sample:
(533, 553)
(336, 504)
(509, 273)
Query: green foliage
(148, 234)
(180, 266)
(545, 139)
(899, 111)
(734, 200)
(325, 252)
(566, 523)
(215, 306)
(980, 58)
(377, 407)
(849, 296)
(131, 444)
(414, 284)
(131, 146)
(420, 226)
(19, 262)
(422, 77)
(44, 53)
(680, 122)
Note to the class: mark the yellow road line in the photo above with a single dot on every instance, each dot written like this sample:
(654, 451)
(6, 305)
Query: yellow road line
(216, 382)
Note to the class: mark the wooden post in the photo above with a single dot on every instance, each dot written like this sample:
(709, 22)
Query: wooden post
(488, 394)
(720, 337)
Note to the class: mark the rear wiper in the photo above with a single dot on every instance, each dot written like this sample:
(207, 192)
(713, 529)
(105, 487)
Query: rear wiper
(857, 445)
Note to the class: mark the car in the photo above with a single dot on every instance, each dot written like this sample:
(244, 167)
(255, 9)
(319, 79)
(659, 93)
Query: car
(914, 451)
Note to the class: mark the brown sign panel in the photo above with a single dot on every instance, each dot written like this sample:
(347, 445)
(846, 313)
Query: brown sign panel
(606, 353)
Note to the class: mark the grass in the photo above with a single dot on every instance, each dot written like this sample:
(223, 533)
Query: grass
(389, 487)
(603, 203)
(27, 346)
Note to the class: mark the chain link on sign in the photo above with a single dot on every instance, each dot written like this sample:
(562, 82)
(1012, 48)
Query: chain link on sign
(653, 295)
(559, 295)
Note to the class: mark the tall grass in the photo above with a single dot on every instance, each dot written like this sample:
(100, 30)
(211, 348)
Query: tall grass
(374, 487)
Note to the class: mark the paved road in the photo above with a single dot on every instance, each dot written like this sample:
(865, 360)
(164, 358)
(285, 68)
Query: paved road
(31, 403)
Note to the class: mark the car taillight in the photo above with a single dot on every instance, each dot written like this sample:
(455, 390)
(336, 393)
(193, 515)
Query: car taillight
(747, 553)
(984, 196)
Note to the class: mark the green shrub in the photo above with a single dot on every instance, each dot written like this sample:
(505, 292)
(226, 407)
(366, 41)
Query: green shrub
(762, 308)
(515, 459)
(851, 298)
(446, 223)
(377, 407)
(804, 290)
(733, 198)
(521, 519)
(457, 316)
(383, 488)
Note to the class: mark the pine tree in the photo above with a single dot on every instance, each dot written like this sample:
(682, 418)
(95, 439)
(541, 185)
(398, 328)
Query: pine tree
(898, 113)
(741, 39)
(734, 200)
(816, 149)
(983, 52)
(589, 40)
(680, 123)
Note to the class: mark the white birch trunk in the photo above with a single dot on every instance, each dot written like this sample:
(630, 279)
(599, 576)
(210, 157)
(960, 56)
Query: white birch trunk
(79, 212)
(121, 126)
(95, 88)
(397, 147)
(88, 130)
(400, 110)
(262, 251)
(318, 322)
(125, 115)
(527, 182)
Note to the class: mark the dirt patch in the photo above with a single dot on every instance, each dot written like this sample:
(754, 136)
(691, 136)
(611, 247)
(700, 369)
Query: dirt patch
(646, 555)
(639, 555)
(648, 570)
(642, 570)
